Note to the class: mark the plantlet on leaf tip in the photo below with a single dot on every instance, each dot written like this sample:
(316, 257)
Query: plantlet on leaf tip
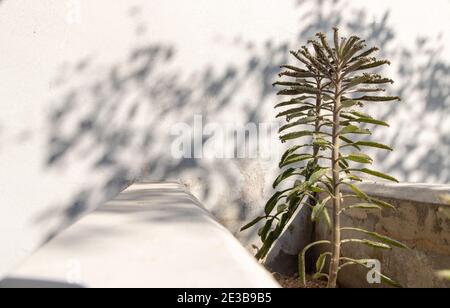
(324, 120)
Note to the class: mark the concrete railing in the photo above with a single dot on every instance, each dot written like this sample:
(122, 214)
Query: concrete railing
(421, 221)
(151, 235)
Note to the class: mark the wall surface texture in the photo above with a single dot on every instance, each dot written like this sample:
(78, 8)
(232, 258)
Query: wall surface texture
(90, 93)
(421, 221)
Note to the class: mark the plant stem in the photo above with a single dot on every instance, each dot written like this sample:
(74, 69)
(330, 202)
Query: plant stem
(318, 121)
(336, 240)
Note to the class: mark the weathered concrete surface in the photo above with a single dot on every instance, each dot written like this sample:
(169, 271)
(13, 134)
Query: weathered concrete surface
(421, 221)
(151, 235)
(283, 257)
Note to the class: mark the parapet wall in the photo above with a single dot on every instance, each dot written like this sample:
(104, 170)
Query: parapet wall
(422, 222)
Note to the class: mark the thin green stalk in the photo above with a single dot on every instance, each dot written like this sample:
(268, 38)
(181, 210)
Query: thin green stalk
(336, 240)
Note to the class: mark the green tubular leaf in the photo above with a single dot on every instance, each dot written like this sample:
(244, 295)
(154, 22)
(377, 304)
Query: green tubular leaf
(289, 152)
(301, 260)
(382, 203)
(358, 192)
(303, 121)
(327, 218)
(270, 205)
(298, 56)
(369, 90)
(286, 174)
(349, 103)
(378, 98)
(297, 90)
(341, 46)
(297, 74)
(295, 135)
(389, 281)
(352, 129)
(295, 101)
(318, 209)
(295, 158)
(314, 62)
(373, 145)
(379, 81)
(321, 142)
(359, 158)
(364, 54)
(320, 52)
(294, 110)
(282, 208)
(293, 68)
(360, 114)
(366, 206)
(265, 230)
(350, 142)
(286, 84)
(369, 243)
(320, 263)
(357, 80)
(317, 176)
(323, 40)
(356, 65)
(379, 237)
(371, 121)
(374, 64)
(378, 174)
(352, 46)
(336, 38)
(317, 190)
(353, 177)
(299, 188)
(252, 223)
(299, 115)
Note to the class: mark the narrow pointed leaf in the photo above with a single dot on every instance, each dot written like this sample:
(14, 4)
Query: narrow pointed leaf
(301, 260)
(379, 175)
(366, 206)
(373, 145)
(293, 159)
(352, 129)
(295, 135)
(378, 98)
(286, 174)
(379, 237)
(316, 176)
(303, 121)
(293, 110)
(318, 209)
(359, 158)
(369, 243)
(272, 202)
(358, 192)
(382, 203)
(350, 142)
(252, 223)
(320, 263)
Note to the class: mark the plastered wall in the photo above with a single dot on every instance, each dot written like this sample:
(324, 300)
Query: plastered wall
(90, 92)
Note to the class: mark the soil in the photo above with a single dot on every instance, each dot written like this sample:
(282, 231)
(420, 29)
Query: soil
(294, 283)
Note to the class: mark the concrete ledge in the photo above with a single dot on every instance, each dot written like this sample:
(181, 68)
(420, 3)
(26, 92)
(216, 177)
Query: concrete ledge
(422, 221)
(423, 193)
(151, 235)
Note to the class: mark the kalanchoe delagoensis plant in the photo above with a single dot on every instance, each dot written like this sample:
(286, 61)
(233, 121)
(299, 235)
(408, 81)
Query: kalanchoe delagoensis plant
(325, 125)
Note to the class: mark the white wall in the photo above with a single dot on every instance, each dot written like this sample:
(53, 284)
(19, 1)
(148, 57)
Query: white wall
(90, 90)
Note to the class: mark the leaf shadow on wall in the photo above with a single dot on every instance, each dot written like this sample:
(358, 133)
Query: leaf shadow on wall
(114, 120)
